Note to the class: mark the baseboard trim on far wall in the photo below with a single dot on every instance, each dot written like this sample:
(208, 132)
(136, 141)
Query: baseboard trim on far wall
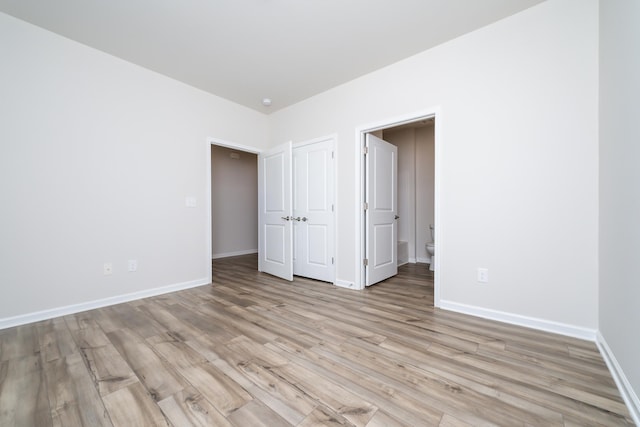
(628, 394)
(516, 319)
(236, 253)
(9, 322)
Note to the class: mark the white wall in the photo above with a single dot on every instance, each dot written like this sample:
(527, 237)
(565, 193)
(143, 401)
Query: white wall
(425, 185)
(519, 158)
(96, 158)
(620, 186)
(404, 139)
(415, 187)
(234, 202)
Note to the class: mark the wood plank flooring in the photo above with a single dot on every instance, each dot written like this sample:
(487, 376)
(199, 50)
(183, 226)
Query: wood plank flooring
(253, 350)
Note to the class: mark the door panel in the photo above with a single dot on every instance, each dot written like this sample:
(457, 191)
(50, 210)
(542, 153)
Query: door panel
(274, 212)
(380, 218)
(313, 211)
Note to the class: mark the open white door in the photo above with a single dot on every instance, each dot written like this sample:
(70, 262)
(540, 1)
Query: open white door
(381, 213)
(274, 212)
(313, 225)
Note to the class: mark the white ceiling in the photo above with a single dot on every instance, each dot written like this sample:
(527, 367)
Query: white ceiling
(245, 50)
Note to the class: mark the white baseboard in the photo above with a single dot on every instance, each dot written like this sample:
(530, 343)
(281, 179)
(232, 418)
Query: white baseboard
(345, 284)
(23, 319)
(424, 260)
(237, 253)
(628, 394)
(516, 319)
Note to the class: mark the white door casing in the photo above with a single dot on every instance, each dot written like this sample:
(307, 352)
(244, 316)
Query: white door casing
(313, 211)
(274, 212)
(381, 197)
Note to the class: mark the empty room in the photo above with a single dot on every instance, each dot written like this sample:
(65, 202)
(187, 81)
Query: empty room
(440, 227)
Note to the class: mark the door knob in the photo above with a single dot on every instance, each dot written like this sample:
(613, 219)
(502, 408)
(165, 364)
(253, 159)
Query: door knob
(304, 218)
(287, 218)
(296, 218)
(397, 217)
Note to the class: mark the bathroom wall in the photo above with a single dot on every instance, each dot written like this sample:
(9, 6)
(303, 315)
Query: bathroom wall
(234, 202)
(425, 179)
(404, 139)
(415, 187)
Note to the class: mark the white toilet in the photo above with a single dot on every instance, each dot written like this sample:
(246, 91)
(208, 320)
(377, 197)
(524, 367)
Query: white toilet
(431, 249)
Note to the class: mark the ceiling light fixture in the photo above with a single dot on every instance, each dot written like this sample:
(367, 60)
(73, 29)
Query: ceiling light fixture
(266, 102)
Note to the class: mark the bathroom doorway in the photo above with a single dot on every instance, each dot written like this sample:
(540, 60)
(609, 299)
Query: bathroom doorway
(416, 183)
(416, 137)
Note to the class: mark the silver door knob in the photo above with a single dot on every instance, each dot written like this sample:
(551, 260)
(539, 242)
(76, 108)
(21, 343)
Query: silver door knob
(296, 218)
(286, 218)
(304, 218)
(397, 217)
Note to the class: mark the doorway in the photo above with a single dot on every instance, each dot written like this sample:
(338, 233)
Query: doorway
(234, 202)
(416, 214)
(300, 238)
(415, 143)
(221, 204)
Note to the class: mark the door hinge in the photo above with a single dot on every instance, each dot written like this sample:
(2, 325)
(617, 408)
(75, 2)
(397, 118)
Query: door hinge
(332, 261)
(365, 262)
(332, 155)
(365, 150)
(365, 206)
(332, 208)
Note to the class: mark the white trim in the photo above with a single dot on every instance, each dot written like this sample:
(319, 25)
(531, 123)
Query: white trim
(236, 253)
(232, 145)
(626, 390)
(412, 261)
(438, 143)
(333, 137)
(359, 217)
(23, 319)
(424, 260)
(435, 112)
(345, 284)
(517, 319)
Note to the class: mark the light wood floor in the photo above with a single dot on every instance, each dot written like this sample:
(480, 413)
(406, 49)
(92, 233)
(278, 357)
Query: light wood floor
(252, 350)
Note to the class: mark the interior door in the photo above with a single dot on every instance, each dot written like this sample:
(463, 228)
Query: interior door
(313, 211)
(381, 213)
(274, 212)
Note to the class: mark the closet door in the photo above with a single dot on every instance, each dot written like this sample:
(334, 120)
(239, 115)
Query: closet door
(274, 212)
(313, 211)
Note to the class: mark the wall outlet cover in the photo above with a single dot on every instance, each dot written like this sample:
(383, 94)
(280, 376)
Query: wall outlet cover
(483, 275)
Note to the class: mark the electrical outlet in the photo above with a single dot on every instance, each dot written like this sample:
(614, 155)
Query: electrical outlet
(483, 275)
(133, 265)
(191, 202)
(108, 269)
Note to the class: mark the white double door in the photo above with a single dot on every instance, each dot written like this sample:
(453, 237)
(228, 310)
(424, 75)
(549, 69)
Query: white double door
(296, 211)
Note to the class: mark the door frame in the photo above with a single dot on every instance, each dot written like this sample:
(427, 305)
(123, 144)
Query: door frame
(361, 131)
(227, 144)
